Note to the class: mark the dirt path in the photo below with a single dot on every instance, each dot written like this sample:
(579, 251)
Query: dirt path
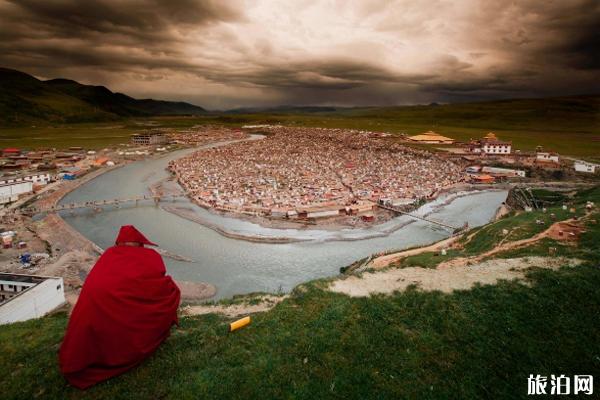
(384, 261)
(460, 277)
(265, 303)
(503, 247)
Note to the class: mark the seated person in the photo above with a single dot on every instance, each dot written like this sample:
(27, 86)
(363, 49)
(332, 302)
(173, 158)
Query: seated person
(125, 311)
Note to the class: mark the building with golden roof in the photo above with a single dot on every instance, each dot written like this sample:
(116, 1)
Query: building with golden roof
(490, 144)
(431, 137)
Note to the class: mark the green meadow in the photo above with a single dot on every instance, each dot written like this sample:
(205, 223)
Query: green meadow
(570, 125)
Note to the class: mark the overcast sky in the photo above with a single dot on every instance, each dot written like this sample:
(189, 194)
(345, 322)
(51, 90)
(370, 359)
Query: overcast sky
(225, 54)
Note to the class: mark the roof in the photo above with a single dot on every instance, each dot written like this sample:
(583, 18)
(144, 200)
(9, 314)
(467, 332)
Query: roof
(483, 177)
(587, 163)
(491, 138)
(430, 136)
(101, 160)
(322, 208)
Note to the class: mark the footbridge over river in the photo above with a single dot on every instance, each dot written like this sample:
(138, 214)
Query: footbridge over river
(98, 204)
(455, 229)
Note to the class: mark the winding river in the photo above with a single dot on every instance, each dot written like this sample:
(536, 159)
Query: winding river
(237, 266)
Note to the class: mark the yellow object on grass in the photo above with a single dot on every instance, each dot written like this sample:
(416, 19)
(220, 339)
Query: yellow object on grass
(240, 323)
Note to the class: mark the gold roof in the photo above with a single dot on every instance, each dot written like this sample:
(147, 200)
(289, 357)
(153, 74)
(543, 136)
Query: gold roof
(431, 136)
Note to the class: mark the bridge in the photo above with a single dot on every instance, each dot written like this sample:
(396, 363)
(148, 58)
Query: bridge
(98, 204)
(431, 221)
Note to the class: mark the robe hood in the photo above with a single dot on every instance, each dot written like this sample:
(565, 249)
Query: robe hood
(128, 233)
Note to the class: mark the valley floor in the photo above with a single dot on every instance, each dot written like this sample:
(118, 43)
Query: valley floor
(465, 336)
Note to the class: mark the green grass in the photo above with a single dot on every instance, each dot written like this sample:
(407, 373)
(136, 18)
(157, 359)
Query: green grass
(548, 197)
(567, 125)
(428, 259)
(520, 226)
(87, 135)
(479, 343)
(523, 225)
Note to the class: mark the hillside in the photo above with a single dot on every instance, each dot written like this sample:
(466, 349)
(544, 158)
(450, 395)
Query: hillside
(576, 113)
(481, 342)
(25, 99)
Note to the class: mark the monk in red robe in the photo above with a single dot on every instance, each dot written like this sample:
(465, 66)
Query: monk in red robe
(125, 311)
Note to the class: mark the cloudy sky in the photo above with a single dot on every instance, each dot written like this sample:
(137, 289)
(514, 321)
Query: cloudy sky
(224, 54)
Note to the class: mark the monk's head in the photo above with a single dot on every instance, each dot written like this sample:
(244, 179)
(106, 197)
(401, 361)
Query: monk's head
(132, 244)
(129, 236)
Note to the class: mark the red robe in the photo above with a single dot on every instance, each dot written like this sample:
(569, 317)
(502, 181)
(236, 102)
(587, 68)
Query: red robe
(125, 311)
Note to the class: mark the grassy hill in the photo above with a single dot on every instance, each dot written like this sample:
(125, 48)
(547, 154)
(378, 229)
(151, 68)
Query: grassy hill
(470, 344)
(575, 113)
(58, 108)
(25, 99)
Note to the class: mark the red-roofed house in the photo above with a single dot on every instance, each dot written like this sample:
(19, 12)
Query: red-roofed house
(11, 152)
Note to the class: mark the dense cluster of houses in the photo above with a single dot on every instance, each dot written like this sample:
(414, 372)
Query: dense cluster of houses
(205, 134)
(13, 159)
(312, 172)
(23, 172)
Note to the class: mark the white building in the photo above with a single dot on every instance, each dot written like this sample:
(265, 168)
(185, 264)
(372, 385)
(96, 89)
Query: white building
(149, 138)
(584, 166)
(319, 212)
(503, 171)
(473, 169)
(24, 297)
(497, 148)
(490, 144)
(11, 191)
(39, 178)
(543, 156)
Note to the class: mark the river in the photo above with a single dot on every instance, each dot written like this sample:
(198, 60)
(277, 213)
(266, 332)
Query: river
(237, 266)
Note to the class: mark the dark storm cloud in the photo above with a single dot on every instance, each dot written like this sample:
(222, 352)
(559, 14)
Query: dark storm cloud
(337, 74)
(563, 32)
(142, 21)
(550, 48)
(115, 34)
(234, 53)
(576, 33)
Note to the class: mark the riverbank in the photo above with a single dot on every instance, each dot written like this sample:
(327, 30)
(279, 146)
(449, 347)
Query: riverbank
(376, 231)
(190, 215)
(72, 255)
(337, 223)
(424, 340)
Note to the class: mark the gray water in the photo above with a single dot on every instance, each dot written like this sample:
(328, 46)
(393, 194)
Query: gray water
(236, 266)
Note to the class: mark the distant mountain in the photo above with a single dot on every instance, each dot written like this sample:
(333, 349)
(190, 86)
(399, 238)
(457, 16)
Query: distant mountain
(25, 99)
(284, 110)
